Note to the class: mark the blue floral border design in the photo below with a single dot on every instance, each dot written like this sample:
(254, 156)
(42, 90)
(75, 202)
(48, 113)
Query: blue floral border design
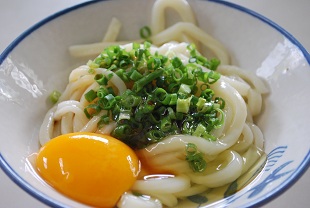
(276, 172)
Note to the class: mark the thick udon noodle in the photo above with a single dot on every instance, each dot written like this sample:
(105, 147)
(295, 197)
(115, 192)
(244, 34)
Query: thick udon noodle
(239, 146)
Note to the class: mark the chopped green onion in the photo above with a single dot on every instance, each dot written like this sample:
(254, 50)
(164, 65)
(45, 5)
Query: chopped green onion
(199, 130)
(145, 32)
(155, 135)
(213, 64)
(124, 115)
(135, 75)
(184, 89)
(165, 124)
(121, 131)
(122, 74)
(153, 63)
(102, 91)
(173, 87)
(177, 75)
(131, 100)
(105, 119)
(165, 95)
(200, 104)
(207, 136)
(92, 65)
(135, 46)
(107, 102)
(91, 110)
(54, 96)
(220, 120)
(174, 99)
(213, 77)
(101, 79)
(176, 62)
(171, 113)
(183, 105)
(147, 45)
(138, 85)
(195, 158)
(221, 101)
(90, 95)
(161, 95)
(207, 94)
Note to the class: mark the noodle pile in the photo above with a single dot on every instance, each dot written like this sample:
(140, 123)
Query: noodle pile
(238, 148)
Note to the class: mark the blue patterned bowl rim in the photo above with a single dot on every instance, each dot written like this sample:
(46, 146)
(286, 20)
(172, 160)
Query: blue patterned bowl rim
(301, 169)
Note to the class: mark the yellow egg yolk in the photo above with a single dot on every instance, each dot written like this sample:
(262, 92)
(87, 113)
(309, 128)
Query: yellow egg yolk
(91, 168)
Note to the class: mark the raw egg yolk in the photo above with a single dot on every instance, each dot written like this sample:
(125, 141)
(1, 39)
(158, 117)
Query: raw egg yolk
(91, 168)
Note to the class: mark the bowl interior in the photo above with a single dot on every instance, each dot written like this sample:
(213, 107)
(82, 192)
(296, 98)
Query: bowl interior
(38, 62)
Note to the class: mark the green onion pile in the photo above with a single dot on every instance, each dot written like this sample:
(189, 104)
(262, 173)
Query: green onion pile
(164, 96)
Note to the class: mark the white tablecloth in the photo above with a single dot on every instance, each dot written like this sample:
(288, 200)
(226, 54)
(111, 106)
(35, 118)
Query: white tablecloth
(18, 15)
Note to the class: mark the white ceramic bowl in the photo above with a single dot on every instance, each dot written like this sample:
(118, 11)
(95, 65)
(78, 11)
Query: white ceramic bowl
(38, 62)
